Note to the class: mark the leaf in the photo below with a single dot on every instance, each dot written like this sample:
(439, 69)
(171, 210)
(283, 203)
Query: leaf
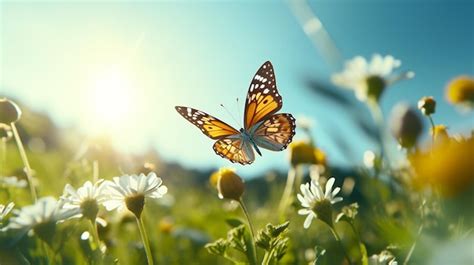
(234, 222)
(363, 252)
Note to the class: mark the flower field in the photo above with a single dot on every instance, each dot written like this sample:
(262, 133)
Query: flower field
(70, 196)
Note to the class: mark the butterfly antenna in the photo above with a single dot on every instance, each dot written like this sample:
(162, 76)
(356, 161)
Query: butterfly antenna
(230, 114)
(238, 111)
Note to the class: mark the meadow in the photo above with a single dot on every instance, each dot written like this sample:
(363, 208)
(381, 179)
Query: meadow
(373, 162)
(57, 208)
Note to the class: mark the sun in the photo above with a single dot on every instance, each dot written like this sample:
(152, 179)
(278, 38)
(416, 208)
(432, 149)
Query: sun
(110, 93)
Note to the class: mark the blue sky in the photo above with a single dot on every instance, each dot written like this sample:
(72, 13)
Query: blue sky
(58, 57)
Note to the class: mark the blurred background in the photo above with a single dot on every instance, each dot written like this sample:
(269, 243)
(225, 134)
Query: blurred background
(114, 70)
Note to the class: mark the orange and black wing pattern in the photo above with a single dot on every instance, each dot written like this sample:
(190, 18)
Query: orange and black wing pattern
(276, 132)
(209, 125)
(263, 98)
(235, 149)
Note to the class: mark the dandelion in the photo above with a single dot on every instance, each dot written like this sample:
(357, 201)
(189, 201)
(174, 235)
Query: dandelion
(5, 210)
(460, 91)
(130, 191)
(85, 200)
(368, 80)
(40, 217)
(318, 203)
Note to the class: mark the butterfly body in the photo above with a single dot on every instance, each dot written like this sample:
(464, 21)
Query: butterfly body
(246, 136)
(263, 126)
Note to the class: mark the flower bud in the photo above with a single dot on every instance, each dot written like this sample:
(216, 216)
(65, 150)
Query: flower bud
(427, 105)
(230, 185)
(406, 125)
(214, 178)
(461, 91)
(303, 152)
(9, 111)
(5, 132)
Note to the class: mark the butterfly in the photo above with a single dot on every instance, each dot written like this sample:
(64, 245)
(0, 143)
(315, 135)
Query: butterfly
(263, 126)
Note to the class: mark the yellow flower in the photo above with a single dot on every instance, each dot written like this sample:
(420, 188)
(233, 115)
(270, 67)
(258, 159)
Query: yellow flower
(440, 133)
(460, 91)
(214, 178)
(166, 225)
(303, 152)
(229, 184)
(447, 167)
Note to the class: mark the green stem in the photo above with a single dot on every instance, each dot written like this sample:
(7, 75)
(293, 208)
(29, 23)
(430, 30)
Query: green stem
(290, 180)
(363, 255)
(95, 171)
(253, 249)
(146, 243)
(232, 259)
(377, 115)
(3, 158)
(338, 239)
(420, 230)
(267, 258)
(95, 234)
(433, 127)
(29, 171)
(412, 249)
(49, 253)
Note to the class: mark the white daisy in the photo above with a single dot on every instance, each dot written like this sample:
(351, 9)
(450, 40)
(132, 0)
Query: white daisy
(5, 209)
(85, 199)
(130, 191)
(41, 217)
(368, 79)
(13, 182)
(316, 202)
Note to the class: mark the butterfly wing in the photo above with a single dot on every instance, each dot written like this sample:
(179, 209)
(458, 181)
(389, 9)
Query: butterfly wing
(209, 125)
(263, 99)
(275, 133)
(236, 149)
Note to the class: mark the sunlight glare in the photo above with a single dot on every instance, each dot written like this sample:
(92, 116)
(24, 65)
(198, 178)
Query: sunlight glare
(110, 93)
